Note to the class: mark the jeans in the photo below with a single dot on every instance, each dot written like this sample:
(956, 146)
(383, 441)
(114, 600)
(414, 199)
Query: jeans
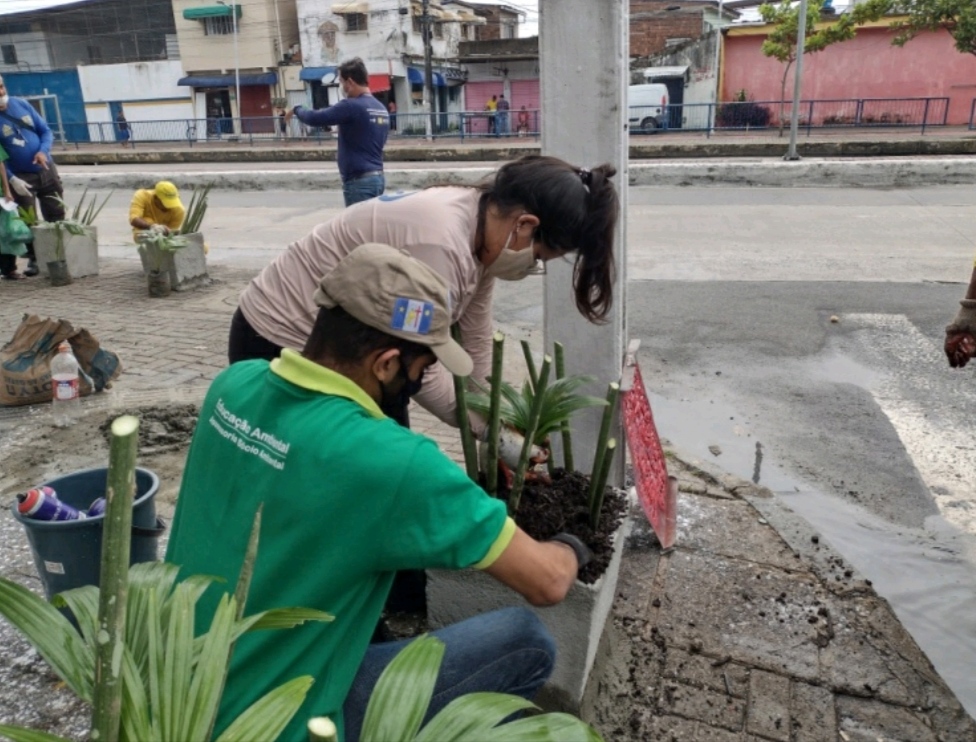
(363, 189)
(505, 651)
(501, 125)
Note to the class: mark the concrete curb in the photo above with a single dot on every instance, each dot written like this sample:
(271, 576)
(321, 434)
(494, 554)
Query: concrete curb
(871, 173)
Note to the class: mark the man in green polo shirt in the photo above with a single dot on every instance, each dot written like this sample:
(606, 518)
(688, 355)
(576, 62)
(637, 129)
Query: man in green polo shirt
(350, 497)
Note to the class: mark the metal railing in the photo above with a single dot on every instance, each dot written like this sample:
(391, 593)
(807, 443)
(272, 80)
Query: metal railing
(734, 116)
(821, 114)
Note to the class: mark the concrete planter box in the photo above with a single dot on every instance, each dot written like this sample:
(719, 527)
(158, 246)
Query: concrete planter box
(80, 250)
(187, 267)
(576, 623)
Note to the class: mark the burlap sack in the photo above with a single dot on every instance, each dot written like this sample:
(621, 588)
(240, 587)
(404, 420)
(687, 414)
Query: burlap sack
(25, 362)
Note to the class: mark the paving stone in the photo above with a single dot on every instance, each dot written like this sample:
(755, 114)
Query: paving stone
(714, 709)
(756, 615)
(769, 706)
(730, 528)
(813, 715)
(868, 720)
(671, 729)
(707, 672)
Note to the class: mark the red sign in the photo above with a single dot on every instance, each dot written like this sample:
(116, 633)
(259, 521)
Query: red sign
(658, 493)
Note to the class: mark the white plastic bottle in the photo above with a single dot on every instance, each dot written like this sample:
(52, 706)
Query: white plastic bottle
(66, 397)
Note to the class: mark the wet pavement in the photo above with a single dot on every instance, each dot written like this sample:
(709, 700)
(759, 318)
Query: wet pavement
(753, 627)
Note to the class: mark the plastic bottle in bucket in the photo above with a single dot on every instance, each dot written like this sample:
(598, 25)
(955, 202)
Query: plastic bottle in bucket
(97, 507)
(42, 503)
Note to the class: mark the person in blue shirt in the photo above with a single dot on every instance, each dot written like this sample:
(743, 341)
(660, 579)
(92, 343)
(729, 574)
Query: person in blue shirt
(27, 139)
(364, 125)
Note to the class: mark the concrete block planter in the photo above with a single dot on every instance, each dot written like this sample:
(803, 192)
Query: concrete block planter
(80, 250)
(577, 623)
(187, 267)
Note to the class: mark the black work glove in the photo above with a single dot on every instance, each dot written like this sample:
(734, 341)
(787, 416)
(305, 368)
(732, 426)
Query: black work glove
(583, 554)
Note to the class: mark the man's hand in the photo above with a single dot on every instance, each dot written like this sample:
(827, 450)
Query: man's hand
(289, 115)
(41, 159)
(960, 342)
(160, 228)
(21, 187)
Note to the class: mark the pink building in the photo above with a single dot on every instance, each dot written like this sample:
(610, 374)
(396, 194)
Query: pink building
(867, 66)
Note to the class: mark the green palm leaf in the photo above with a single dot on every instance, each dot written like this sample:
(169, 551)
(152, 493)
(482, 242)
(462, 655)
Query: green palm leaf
(560, 402)
(402, 694)
(546, 728)
(203, 692)
(52, 635)
(18, 734)
(472, 717)
(176, 670)
(267, 717)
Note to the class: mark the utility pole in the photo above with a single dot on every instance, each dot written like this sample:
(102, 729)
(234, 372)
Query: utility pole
(801, 38)
(428, 74)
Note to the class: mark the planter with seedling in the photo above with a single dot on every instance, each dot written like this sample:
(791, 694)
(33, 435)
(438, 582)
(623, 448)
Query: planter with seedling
(515, 463)
(68, 249)
(182, 255)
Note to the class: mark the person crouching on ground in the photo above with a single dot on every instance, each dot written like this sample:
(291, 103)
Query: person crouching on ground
(158, 209)
(338, 521)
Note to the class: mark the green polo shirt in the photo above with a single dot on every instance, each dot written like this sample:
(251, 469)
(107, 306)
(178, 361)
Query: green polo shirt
(349, 498)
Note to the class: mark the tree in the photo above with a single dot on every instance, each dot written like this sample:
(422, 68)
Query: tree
(781, 43)
(958, 17)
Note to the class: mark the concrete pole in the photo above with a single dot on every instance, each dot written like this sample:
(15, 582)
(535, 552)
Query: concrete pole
(584, 71)
(801, 39)
(237, 67)
(428, 75)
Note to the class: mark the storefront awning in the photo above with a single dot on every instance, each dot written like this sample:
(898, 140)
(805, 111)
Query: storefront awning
(227, 81)
(310, 74)
(379, 83)
(416, 77)
(349, 8)
(211, 11)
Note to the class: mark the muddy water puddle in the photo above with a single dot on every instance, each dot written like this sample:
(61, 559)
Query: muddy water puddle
(928, 574)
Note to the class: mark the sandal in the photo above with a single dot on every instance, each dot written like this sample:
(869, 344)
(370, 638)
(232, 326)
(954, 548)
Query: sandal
(15, 276)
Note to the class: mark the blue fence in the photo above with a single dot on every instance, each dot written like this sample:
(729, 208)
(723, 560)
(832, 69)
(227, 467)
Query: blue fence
(853, 113)
(841, 113)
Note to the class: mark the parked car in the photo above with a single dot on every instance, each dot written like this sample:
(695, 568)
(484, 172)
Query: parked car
(648, 107)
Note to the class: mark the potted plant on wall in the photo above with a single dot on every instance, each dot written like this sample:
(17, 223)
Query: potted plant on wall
(68, 249)
(183, 259)
(543, 501)
(155, 248)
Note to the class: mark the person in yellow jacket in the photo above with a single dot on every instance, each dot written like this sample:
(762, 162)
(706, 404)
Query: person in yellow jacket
(158, 209)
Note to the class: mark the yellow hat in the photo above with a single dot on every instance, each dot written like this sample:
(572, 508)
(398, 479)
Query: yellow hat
(170, 197)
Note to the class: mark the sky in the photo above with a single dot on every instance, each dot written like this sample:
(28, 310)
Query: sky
(530, 28)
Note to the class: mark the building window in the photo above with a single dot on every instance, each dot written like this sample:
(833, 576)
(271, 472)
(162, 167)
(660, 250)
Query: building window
(9, 54)
(356, 21)
(221, 25)
(438, 30)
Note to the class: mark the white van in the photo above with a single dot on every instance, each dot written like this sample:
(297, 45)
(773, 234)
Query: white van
(647, 107)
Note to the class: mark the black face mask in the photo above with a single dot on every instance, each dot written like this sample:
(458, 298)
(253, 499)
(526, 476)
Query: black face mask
(394, 403)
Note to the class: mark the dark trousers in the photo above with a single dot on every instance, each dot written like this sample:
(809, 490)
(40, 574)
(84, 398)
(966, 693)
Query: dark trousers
(47, 189)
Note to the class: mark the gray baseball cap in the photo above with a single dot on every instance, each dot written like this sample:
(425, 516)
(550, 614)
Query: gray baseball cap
(391, 291)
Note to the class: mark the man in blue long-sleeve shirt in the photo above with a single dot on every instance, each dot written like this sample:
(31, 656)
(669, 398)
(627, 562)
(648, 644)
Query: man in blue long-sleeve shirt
(27, 139)
(364, 124)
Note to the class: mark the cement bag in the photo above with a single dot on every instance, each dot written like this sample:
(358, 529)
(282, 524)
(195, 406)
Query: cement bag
(25, 362)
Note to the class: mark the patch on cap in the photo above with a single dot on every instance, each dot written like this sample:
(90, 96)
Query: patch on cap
(410, 315)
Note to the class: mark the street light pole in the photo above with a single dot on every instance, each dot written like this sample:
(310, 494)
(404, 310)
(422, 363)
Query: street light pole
(428, 75)
(237, 64)
(801, 38)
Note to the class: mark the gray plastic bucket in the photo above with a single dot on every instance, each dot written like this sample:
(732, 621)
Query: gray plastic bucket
(68, 553)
